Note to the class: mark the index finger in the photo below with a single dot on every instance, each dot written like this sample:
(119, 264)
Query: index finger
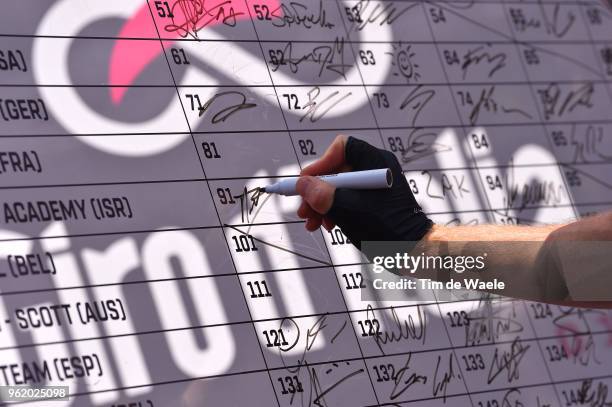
(332, 161)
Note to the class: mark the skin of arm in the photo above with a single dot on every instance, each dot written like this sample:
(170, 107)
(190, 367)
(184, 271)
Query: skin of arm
(502, 233)
(318, 197)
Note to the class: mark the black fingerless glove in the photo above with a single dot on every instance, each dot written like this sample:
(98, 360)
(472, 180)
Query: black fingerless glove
(377, 214)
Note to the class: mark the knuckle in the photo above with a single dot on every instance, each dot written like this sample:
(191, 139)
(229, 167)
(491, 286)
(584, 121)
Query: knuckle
(303, 184)
(318, 197)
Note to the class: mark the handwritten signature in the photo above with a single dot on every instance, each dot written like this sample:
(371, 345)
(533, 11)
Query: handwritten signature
(295, 13)
(411, 328)
(421, 144)
(225, 113)
(404, 379)
(556, 102)
(318, 106)
(507, 361)
(478, 55)
(487, 325)
(190, 16)
(487, 101)
(326, 57)
(367, 12)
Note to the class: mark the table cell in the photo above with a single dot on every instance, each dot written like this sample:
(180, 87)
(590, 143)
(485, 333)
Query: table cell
(547, 62)
(481, 62)
(509, 364)
(471, 323)
(86, 110)
(61, 160)
(598, 18)
(554, 21)
(481, 105)
(468, 22)
(583, 101)
(110, 208)
(527, 396)
(275, 247)
(399, 329)
(326, 107)
(294, 343)
(235, 109)
(306, 20)
(343, 383)
(292, 293)
(223, 63)
(248, 155)
(417, 376)
(443, 190)
(577, 355)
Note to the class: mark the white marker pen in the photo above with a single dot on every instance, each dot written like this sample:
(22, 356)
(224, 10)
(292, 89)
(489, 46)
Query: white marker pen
(370, 179)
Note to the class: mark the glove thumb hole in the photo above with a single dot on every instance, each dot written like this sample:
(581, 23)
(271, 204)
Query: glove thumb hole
(317, 193)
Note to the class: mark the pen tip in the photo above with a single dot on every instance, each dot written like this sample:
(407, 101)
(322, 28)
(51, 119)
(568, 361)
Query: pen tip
(262, 189)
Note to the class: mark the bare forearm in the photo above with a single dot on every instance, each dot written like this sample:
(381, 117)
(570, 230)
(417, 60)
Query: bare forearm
(597, 227)
(512, 252)
(518, 254)
(498, 233)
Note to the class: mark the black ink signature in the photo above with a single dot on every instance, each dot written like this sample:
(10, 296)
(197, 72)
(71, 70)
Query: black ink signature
(489, 103)
(312, 333)
(584, 350)
(510, 38)
(586, 394)
(402, 58)
(588, 145)
(416, 101)
(556, 102)
(249, 200)
(400, 330)
(534, 193)
(326, 57)
(422, 145)
(507, 361)
(512, 398)
(317, 108)
(451, 185)
(486, 324)
(574, 321)
(197, 16)
(477, 55)
(441, 386)
(224, 114)
(361, 14)
(311, 336)
(569, 315)
(296, 13)
(402, 383)
(553, 23)
(277, 246)
(320, 392)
